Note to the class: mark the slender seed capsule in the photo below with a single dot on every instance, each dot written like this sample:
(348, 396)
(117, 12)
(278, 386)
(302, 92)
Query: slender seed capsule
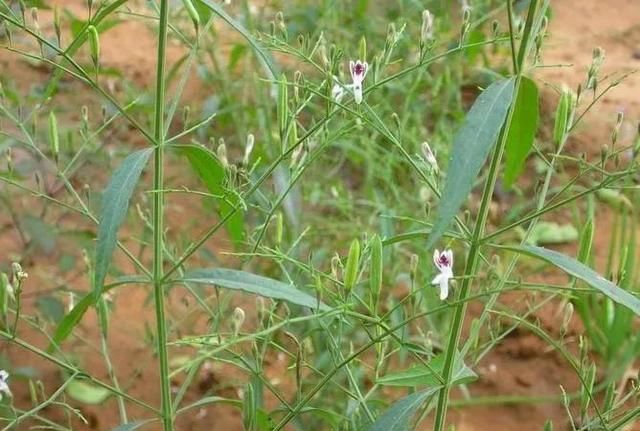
(353, 263)
(562, 116)
(363, 48)
(56, 24)
(375, 273)
(94, 44)
(54, 139)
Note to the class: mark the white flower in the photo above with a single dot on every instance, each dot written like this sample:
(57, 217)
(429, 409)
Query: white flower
(429, 157)
(426, 32)
(339, 89)
(358, 71)
(444, 263)
(4, 387)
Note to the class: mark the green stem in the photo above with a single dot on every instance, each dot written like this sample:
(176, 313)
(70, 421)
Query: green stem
(478, 232)
(158, 222)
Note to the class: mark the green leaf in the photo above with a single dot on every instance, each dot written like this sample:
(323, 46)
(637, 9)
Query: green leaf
(263, 55)
(251, 283)
(584, 273)
(87, 393)
(75, 315)
(209, 169)
(70, 321)
(421, 375)
(522, 130)
(471, 146)
(400, 414)
(115, 202)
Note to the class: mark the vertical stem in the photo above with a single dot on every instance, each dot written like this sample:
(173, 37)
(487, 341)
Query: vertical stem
(158, 222)
(478, 231)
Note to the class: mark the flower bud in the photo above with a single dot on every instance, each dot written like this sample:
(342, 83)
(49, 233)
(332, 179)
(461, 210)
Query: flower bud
(248, 149)
(222, 153)
(429, 157)
(18, 274)
(237, 320)
(54, 140)
(616, 129)
(567, 314)
(426, 32)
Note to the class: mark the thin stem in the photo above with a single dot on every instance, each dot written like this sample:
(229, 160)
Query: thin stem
(478, 232)
(158, 222)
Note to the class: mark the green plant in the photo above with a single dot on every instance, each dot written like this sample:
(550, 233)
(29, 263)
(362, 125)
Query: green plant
(316, 178)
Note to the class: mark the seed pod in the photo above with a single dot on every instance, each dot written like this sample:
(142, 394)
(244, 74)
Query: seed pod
(375, 272)
(103, 314)
(56, 24)
(283, 108)
(562, 117)
(54, 139)
(353, 263)
(222, 153)
(363, 48)
(193, 14)
(94, 44)
(279, 228)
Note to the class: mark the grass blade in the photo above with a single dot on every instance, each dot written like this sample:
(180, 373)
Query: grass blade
(522, 130)
(115, 202)
(471, 146)
(252, 283)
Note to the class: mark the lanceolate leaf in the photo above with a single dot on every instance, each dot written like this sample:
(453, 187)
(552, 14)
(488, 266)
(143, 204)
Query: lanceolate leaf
(251, 283)
(400, 414)
(584, 273)
(70, 320)
(471, 146)
(522, 130)
(115, 202)
(209, 169)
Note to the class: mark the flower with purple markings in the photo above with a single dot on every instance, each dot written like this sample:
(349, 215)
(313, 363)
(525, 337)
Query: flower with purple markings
(358, 71)
(444, 262)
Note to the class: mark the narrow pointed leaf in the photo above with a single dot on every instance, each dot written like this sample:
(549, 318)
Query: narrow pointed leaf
(584, 273)
(400, 414)
(211, 172)
(115, 202)
(70, 320)
(522, 130)
(471, 146)
(252, 283)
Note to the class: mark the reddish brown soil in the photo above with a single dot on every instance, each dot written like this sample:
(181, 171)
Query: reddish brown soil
(522, 365)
